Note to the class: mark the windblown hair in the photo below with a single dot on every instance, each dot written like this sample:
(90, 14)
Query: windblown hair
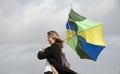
(57, 38)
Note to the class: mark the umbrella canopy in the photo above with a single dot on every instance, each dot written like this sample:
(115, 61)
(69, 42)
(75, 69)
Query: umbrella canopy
(84, 36)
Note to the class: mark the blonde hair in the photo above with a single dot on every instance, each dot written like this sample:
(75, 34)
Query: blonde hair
(57, 38)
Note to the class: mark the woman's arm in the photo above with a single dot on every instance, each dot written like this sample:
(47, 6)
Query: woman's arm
(45, 54)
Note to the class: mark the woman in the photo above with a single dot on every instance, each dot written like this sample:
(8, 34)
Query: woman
(53, 54)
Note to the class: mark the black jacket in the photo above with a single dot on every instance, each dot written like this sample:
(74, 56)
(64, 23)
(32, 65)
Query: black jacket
(53, 56)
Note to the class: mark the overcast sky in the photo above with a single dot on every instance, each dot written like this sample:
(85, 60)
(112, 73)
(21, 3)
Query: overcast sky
(23, 28)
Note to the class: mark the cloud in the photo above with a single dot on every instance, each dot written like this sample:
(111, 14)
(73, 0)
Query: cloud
(28, 21)
(17, 72)
(19, 58)
(24, 24)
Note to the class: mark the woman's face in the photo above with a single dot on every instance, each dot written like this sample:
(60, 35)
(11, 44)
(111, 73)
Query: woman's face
(51, 40)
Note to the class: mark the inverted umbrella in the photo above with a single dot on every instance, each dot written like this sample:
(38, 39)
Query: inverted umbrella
(84, 36)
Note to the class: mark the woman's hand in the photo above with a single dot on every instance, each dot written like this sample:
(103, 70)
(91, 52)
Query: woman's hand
(42, 50)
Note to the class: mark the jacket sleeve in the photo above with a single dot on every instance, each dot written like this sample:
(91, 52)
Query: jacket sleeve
(47, 53)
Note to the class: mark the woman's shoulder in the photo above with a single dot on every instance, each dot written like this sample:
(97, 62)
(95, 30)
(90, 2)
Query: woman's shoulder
(54, 45)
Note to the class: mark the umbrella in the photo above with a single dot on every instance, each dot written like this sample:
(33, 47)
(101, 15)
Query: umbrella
(84, 36)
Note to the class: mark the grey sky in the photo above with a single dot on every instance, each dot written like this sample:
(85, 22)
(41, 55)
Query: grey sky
(24, 24)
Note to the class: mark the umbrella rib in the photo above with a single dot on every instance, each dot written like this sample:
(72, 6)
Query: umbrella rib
(71, 29)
